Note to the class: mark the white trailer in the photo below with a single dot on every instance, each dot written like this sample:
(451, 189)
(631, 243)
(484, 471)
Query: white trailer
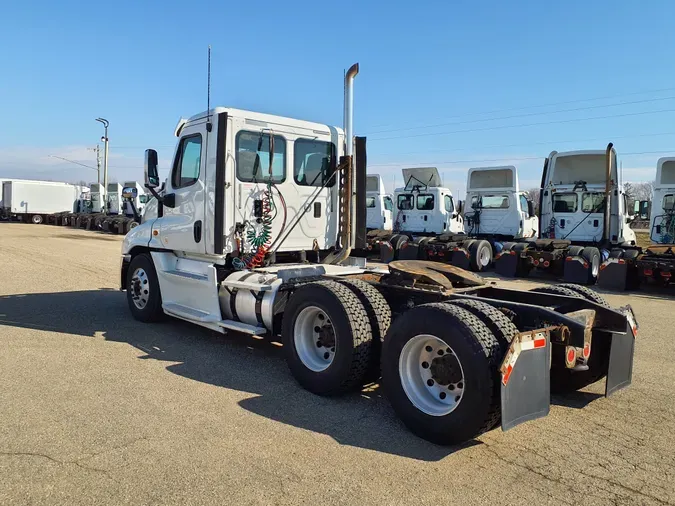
(34, 200)
(253, 234)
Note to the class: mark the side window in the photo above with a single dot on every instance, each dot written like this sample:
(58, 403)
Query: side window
(388, 204)
(313, 162)
(449, 206)
(669, 202)
(187, 163)
(405, 201)
(143, 199)
(523, 205)
(370, 201)
(425, 202)
(253, 160)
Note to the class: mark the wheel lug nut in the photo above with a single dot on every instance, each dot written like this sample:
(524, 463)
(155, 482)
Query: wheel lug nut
(430, 382)
(326, 355)
(442, 395)
(429, 349)
(425, 365)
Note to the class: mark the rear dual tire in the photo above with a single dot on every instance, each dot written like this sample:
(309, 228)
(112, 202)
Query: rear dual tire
(440, 371)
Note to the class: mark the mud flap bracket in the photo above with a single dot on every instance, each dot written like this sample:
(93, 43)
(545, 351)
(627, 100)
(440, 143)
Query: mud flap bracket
(620, 372)
(526, 383)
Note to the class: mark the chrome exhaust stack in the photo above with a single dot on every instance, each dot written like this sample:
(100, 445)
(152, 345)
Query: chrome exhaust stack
(349, 109)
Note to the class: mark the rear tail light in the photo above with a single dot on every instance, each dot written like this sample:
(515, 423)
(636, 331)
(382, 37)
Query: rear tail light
(546, 263)
(648, 272)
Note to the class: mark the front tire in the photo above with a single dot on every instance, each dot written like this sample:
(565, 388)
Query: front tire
(440, 371)
(143, 293)
(327, 338)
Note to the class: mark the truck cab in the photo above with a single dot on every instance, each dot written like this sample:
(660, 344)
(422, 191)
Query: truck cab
(97, 198)
(495, 206)
(424, 206)
(582, 199)
(113, 198)
(379, 205)
(662, 222)
(139, 199)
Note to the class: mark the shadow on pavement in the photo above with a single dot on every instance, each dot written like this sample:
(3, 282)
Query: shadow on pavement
(577, 400)
(233, 361)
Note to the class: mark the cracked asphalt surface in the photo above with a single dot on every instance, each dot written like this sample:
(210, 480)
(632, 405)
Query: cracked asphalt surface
(96, 408)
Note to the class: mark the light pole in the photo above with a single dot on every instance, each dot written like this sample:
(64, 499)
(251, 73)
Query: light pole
(98, 161)
(105, 124)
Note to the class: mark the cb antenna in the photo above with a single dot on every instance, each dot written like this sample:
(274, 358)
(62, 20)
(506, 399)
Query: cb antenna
(208, 90)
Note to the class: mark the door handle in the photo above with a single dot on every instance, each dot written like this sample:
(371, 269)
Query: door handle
(197, 231)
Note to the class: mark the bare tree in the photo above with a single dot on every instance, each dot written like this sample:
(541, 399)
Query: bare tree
(533, 195)
(639, 191)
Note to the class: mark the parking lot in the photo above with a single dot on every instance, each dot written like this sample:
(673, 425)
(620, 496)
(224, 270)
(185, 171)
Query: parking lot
(99, 408)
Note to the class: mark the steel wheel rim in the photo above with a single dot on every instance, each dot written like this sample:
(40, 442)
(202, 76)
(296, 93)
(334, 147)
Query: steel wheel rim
(314, 339)
(37, 219)
(484, 257)
(420, 378)
(140, 288)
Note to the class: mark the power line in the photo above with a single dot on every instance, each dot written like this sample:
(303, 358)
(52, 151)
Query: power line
(567, 102)
(543, 143)
(540, 123)
(574, 109)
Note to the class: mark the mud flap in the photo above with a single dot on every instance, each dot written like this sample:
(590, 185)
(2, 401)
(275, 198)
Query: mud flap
(576, 270)
(618, 274)
(506, 264)
(459, 258)
(526, 379)
(620, 372)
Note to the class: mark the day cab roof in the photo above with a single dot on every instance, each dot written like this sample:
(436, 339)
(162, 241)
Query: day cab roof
(590, 167)
(499, 178)
(263, 120)
(665, 173)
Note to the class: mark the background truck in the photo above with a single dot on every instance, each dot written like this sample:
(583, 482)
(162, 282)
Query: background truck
(583, 215)
(33, 201)
(379, 204)
(132, 202)
(657, 262)
(423, 209)
(254, 232)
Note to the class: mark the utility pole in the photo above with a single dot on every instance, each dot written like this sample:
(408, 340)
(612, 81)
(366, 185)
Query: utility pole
(105, 124)
(98, 162)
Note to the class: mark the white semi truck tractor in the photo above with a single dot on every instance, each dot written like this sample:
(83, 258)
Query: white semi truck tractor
(583, 216)
(253, 233)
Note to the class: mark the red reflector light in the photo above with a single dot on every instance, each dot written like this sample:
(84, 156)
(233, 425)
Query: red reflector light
(621, 261)
(536, 262)
(585, 265)
(665, 274)
(546, 263)
(587, 350)
(441, 254)
(507, 374)
(571, 355)
(649, 272)
(512, 252)
(540, 343)
(603, 266)
(568, 259)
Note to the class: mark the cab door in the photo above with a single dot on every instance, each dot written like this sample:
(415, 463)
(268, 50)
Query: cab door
(182, 226)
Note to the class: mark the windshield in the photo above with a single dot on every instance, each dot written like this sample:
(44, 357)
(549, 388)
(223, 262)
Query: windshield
(370, 201)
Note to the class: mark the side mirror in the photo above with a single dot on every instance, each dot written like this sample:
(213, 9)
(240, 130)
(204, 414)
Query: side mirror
(636, 207)
(460, 206)
(129, 193)
(530, 208)
(151, 174)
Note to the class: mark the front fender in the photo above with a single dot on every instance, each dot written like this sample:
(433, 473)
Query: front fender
(137, 236)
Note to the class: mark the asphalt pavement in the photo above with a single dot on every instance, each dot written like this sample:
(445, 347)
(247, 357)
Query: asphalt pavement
(97, 408)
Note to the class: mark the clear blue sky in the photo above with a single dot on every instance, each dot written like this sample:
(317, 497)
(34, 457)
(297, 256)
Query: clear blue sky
(142, 65)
